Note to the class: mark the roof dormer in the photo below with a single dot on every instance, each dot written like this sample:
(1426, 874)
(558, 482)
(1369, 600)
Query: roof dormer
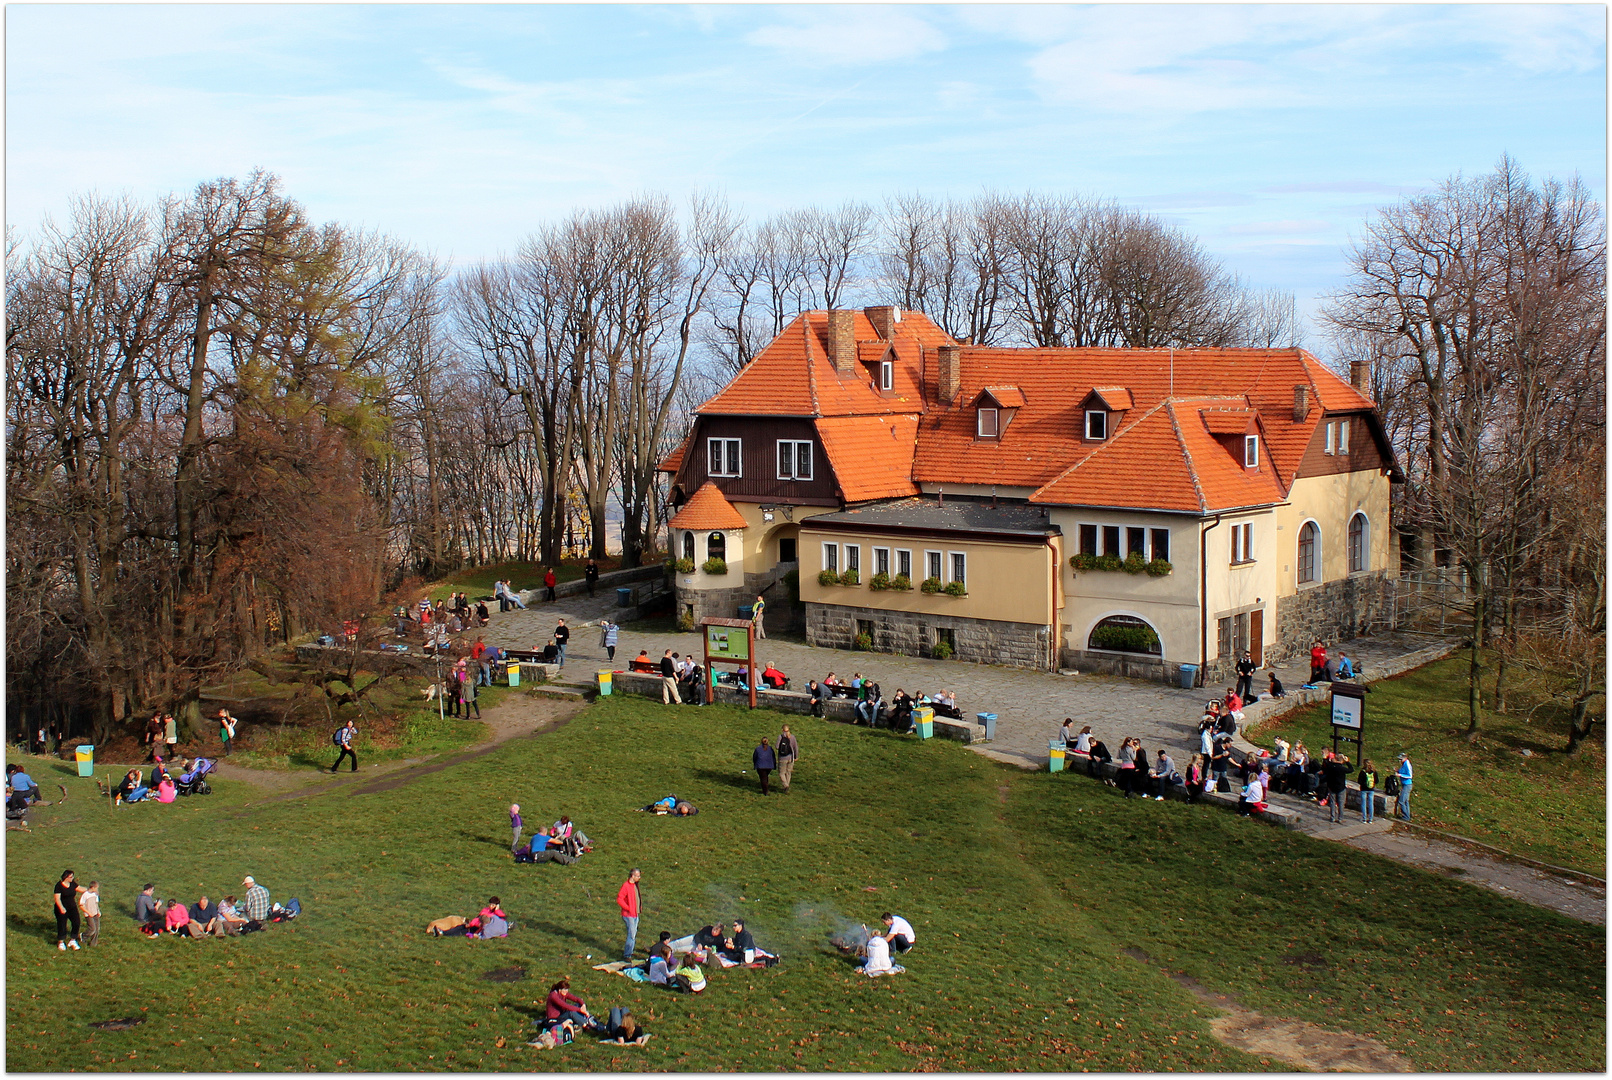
(1237, 430)
(1102, 410)
(995, 407)
(879, 359)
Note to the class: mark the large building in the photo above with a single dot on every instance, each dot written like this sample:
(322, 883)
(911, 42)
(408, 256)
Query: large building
(1113, 509)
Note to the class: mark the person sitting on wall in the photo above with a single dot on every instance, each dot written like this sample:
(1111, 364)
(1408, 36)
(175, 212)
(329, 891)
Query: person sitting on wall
(835, 687)
(643, 663)
(946, 705)
(900, 711)
(815, 689)
(1276, 686)
(870, 710)
(773, 678)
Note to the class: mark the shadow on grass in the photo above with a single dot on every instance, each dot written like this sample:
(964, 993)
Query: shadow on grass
(28, 926)
(566, 932)
(746, 782)
(483, 838)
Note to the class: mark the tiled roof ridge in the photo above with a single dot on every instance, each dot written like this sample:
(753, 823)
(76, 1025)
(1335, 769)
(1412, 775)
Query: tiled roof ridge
(811, 365)
(1186, 455)
(1119, 433)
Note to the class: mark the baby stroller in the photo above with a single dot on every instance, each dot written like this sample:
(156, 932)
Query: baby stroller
(195, 781)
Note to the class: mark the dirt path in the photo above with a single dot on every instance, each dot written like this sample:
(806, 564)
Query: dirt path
(513, 718)
(1295, 1042)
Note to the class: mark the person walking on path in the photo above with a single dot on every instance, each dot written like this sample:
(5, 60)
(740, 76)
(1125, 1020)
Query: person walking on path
(627, 901)
(765, 761)
(591, 575)
(607, 638)
(1245, 676)
(562, 634)
(226, 729)
(64, 901)
(548, 585)
(756, 614)
(1368, 791)
(668, 680)
(344, 739)
(515, 825)
(788, 754)
(1405, 774)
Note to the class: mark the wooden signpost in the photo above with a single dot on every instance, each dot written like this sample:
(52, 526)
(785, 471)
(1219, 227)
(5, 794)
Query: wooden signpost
(1349, 717)
(729, 642)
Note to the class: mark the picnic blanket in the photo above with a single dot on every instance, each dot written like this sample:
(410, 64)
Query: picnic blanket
(615, 967)
(762, 956)
(893, 969)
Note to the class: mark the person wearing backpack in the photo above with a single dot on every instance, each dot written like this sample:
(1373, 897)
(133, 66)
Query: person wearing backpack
(343, 738)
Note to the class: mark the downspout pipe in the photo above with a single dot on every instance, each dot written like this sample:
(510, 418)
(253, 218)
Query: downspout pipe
(1203, 599)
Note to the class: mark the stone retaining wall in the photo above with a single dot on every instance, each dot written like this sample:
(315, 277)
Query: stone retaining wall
(607, 583)
(1334, 611)
(1130, 666)
(908, 633)
(1298, 698)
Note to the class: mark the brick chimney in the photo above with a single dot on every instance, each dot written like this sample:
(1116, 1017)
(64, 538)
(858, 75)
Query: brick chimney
(1360, 376)
(884, 320)
(1301, 403)
(842, 340)
(950, 364)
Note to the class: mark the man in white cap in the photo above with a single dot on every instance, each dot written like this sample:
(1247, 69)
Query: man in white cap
(256, 900)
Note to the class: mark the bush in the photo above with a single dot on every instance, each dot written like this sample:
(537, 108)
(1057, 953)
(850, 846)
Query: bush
(879, 582)
(850, 577)
(1159, 568)
(863, 642)
(685, 621)
(685, 566)
(715, 566)
(941, 651)
(828, 577)
(956, 588)
(1138, 639)
(931, 585)
(1135, 563)
(901, 583)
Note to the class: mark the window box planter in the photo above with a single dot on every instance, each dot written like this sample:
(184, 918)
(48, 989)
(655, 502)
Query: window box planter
(685, 566)
(850, 577)
(901, 583)
(1131, 564)
(931, 585)
(828, 577)
(879, 582)
(955, 588)
(863, 642)
(715, 566)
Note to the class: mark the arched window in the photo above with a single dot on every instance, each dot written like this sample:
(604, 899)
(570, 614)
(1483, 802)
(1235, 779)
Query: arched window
(1307, 552)
(1125, 633)
(1359, 543)
(688, 545)
(716, 547)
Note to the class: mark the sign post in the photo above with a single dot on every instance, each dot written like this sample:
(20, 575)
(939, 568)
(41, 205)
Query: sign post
(729, 641)
(1349, 717)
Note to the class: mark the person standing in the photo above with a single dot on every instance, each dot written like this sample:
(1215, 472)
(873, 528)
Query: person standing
(756, 614)
(1405, 774)
(1368, 791)
(549, 581)
(1220, 762)
(562, 634)
(170, 734)
(1245, 676)
(591, 575)
(607, 638)
(788, 754)
(1335, 773)
(1318, 661)
(226, 729)
(64, 901)
(153, 737)
(515, 825)
(627, 901)
(90, 905)
(765, 760)
(668, 680)
(344, 739)
(478, 653)
(470, 694)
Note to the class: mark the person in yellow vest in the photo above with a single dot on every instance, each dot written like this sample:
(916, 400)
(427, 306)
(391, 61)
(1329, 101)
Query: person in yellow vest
(755, 617)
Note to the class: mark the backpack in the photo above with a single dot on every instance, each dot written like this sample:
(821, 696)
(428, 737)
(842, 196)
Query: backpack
(335, 736)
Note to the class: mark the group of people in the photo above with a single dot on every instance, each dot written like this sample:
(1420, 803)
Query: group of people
(767, 758)
(682, 677)
(1324, 668)
(566, 1016)
(871, 707)
(560, 842)
(77, 909)
(162, 785)
(492, 921)
(898, 937)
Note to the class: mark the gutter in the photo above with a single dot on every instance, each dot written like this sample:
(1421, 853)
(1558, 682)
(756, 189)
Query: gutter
(1203, 597)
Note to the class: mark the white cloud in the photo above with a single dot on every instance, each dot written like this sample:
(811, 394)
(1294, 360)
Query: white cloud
(850, 35)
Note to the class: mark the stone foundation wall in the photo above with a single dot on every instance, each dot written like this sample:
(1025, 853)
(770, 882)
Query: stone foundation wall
(782, 614)
(1335, 611)
(906, 633)
(1129, 666)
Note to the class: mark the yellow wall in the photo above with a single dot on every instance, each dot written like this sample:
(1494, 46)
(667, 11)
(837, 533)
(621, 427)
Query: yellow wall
(1245, 586)
(753, 549)
(1006, 582)
(1169, 604)
(1330, 501)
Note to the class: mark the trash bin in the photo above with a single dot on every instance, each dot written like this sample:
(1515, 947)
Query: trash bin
(624, 598)
(605, 680)
(747, 611)
(988, 721)
(85, 755)
(513, 671)
(1055, 748)
(1189, 676)
(923, 722)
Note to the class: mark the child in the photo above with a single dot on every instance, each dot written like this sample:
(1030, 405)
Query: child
(90, 904)
(515, 825)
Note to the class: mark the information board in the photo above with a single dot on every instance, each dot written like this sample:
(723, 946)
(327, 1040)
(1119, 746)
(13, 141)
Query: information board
(1347, 711)
(727, 643)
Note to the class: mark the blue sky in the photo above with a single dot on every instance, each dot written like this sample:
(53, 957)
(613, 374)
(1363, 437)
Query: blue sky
(1270, 132)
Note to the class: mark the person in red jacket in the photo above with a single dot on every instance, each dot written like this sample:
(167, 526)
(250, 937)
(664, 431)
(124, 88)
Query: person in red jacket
(627, 901)
(548, 584)
(1318, 661)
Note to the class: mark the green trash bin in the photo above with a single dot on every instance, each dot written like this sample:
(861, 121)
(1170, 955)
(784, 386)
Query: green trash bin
(1055, 749)
(85, 756)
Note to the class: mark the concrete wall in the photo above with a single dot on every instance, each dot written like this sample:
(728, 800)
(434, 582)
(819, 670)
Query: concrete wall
(986, 641)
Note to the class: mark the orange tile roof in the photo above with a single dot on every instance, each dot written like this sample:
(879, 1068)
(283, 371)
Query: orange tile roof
(1008, 397)
(708, 509)
(674, 461)
(1229, 421)
(1117, 398)
(871, 455)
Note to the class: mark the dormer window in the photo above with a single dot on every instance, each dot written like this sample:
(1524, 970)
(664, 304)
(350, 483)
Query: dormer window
(887, 375)
(1096, 424)
(1251, 451)
(989, 423)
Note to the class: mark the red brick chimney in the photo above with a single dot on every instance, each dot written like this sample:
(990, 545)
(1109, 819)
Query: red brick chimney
(1360, 375)
(1301, 403)
(950, 380)
(842, 340)
(884, 320)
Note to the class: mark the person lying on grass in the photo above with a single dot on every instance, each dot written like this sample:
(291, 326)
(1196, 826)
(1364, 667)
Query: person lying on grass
(623, 1029)
(670, 805)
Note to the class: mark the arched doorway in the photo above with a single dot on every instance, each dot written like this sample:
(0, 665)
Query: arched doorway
(1127, 634)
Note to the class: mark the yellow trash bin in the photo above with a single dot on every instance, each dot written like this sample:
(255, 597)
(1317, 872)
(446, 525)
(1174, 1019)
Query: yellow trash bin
(1055, 749)
(923, 721)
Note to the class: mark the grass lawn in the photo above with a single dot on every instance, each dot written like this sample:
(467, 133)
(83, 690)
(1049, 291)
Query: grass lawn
(1550, 806)
(1023, 889)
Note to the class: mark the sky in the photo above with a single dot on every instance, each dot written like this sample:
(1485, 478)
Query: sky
(1272, 133)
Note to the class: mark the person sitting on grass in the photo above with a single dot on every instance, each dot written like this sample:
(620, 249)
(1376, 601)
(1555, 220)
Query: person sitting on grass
(22, 784)
(147, 908)
(737, 945)
(688, 977)
(623, 1030)
(563, 1005)
(204, 919)
(877, 961)
(131, 790)
(176, 917)
(230, 916)
(709, 938)
(898, 933)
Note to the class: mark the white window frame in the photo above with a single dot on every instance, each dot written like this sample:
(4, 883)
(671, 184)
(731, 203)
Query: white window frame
(886, 553)
(1332, 436)
(690, 548)
(934, 560)
(1315, 553)
(1242, 543)
(1101, 415)
(795, 472)
(831, 557)
(951, 566)
(1250, 451)
(731, 454)
(853, 558)
(1365, 542)
(1343, 436)
(887, 375)
(996, 423)
(903, 555)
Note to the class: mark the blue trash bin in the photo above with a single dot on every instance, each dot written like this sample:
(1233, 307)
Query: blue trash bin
(747, 611)
(624, 598)
(988, 721)
(1189, 676)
